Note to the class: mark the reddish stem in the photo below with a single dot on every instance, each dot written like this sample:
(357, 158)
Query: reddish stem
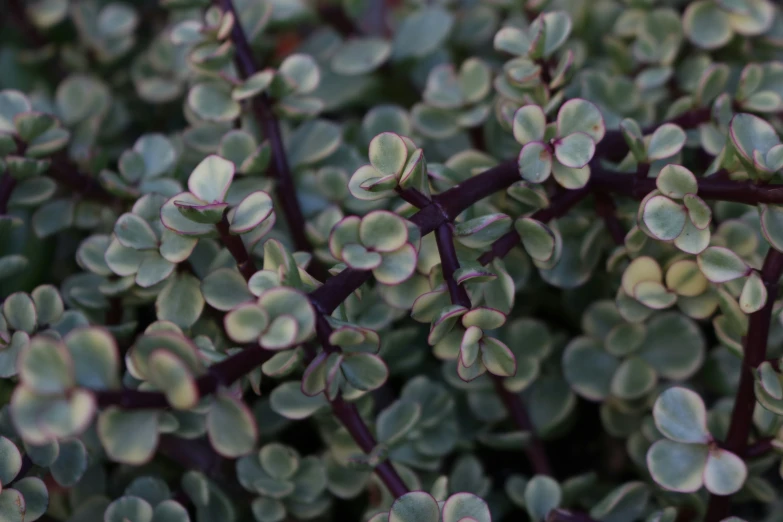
(607, 210)
(349, 416)
(223, 373)
(755, 353)
(285, 189)
(237, 249)
(7, 184)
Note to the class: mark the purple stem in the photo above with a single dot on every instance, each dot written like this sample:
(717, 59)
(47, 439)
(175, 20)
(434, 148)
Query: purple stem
(285, 189)
(349, 416)
(755, 354)
(237, 249)
(607, 210)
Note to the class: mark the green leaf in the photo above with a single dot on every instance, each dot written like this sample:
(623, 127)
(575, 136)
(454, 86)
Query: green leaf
(364, 371)
(588, 368)
(289, 401)
(577, 115)
(20, 313)
(422, 32)
(286, 301)
(211, 179)
(396, 267)
(749, 134)
(251, 212)
(213, 102)
(225, 289)
(180, 301)
(281, 462)
(706, 25)
(463, 506)
(301, 73)
(12, 506)
(167, 372)
(575, 150)
(529, 124)
(772, 225)
(676, 466)
(253, 85)
(538, 239)
(720, 265)
(626, 502)
(129, 437)
(416, 506)
(170, 511)
(394, 422)
(12, 103)
(676, 181)
(313, 141)
(174, 218)
(36, 497)
(49, 305)
(725, 472)
(754, 294)
(498, 358)
(95, 356)
(666, 141)
(132, 231)
(10, 461)
(557, 28)
(231, 427)
(633, 379)
(46, 366)
(360, 56)
(383, 231)
(680, 415)
(535, 162)
(388, 154)
(664, 218)
(542, 495)
(71, 463)
(128, 509)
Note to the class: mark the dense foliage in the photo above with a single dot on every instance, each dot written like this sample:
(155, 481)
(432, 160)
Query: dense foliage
(398, 261)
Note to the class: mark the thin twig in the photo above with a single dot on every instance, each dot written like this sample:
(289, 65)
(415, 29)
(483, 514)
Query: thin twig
(285, 190)
(607, 210)
(237, 249)
(755, 353)
(350, 418)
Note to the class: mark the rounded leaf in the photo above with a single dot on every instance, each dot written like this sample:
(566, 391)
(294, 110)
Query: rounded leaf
(211, 179)
(575, 150)
(360, 56)
(10, 461)
(706, 24)
(676, 466)
(383, 231)
(463, 506)
(542, 495)
(529, 124)
(720, 265)
(725, 472)
(680, 415)
(535, 162)
(416, 506)
(578, 115)
(231, 427)
(664, 218)
(666, 141)
(128, 509)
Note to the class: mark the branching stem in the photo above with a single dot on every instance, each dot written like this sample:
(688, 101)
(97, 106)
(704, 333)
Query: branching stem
(755, 354)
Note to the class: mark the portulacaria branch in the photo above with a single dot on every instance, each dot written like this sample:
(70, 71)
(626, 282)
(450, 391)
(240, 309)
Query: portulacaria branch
(285, 189)
(350, 418)
(755, 353)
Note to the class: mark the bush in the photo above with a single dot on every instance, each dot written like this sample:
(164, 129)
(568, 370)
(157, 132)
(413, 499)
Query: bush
(391, 261)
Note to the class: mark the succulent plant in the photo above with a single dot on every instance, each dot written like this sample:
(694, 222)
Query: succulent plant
(389, 261)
